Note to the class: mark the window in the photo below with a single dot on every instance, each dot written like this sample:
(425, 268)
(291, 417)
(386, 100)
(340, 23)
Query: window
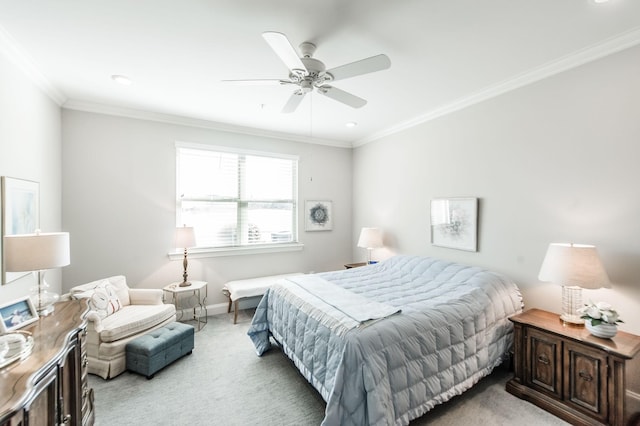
(237, 198)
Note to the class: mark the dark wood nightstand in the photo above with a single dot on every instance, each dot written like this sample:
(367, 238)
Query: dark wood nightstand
(354, 265)
(568, 372)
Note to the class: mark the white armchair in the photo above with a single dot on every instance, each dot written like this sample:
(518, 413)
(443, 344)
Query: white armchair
(118, 315)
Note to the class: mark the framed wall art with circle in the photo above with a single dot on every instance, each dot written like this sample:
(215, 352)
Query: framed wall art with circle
(318, 215)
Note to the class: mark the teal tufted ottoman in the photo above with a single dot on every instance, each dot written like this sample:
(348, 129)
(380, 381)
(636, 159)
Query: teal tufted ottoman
(155, 350)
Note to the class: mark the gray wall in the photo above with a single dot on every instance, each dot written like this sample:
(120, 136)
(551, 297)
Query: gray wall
(119, 203)
(556, 161)
(30, 148)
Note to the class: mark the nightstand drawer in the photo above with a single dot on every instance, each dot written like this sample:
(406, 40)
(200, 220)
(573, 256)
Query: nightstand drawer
(544, 362)
(586, 379)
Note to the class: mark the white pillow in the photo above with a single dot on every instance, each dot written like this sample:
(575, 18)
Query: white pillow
(104, 300)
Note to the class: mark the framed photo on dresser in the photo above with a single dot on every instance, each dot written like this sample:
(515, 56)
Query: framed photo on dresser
(17, 314)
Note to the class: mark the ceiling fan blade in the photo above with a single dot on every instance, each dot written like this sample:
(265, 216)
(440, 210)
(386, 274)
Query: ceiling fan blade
(363, 66)
(285, 51)
(293, 102)
(259, 82)
(342, 96)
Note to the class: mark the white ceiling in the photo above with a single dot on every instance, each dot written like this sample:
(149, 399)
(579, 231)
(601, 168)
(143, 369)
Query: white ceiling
(445, 54)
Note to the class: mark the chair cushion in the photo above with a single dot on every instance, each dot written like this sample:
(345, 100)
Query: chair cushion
(104, 300)
(119, 283)
(133, 319)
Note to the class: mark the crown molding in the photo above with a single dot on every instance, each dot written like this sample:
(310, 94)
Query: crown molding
(574, 60)
(19, 57)
(195, 122)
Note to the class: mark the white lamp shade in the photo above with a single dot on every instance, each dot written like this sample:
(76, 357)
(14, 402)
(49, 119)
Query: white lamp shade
(185, 237)
(370, 238)
(35, 252)
(574, 265)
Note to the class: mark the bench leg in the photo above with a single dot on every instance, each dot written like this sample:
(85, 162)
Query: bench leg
(229, 307)
(235, 312)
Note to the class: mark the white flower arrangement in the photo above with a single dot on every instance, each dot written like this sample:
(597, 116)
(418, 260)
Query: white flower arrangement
(599, 313)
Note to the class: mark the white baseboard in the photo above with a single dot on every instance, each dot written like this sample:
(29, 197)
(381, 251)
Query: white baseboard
(217, 309)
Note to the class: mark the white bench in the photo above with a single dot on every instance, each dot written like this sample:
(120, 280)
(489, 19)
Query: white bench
(251, 287)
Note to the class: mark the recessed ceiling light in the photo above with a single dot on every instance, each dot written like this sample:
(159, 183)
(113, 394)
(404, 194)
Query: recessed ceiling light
(121, 79)
(351, 124)
(600, 1)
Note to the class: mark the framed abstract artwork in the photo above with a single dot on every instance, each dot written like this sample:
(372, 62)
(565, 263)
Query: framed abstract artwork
(318, 216)
(454, 223)
(20, 214)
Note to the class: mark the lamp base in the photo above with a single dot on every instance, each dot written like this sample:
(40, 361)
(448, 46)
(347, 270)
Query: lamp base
(571, 302)
(48, 310)
(42, 298)
(572, 319)
(184, 284)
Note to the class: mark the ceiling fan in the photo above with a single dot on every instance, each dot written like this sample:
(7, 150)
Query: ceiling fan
(308, 73)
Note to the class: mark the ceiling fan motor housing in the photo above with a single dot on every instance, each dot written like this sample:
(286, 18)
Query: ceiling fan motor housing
(307, 49)
(315, 71)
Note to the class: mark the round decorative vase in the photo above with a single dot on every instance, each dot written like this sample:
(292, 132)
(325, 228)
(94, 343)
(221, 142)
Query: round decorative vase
(603, 330)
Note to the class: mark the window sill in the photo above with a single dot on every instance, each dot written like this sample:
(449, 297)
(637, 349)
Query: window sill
(197, 253)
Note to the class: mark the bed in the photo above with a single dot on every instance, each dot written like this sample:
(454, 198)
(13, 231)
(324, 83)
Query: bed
(385, 343)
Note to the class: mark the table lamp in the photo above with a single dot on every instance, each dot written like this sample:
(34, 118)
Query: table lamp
(38, 252)
(370, 238)
(574, 267)
(185, 238)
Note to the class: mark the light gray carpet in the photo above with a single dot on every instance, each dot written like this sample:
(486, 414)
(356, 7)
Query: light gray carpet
(224, 383)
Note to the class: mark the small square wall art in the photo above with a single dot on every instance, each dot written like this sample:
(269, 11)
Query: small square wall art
(318, 215)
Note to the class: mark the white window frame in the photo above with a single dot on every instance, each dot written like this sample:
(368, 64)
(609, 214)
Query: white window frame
(199, 252)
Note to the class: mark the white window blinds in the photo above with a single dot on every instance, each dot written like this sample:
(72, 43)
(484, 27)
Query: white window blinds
(235, 198)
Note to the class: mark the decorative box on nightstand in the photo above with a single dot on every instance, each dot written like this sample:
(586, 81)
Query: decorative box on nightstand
(581, 378)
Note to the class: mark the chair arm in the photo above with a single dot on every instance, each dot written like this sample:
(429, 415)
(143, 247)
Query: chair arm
(145, 296)
(96, 320)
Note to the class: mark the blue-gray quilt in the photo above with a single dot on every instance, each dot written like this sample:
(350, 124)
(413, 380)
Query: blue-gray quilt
(385, 343)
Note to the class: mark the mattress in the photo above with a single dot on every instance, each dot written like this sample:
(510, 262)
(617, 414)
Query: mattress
(438, 328)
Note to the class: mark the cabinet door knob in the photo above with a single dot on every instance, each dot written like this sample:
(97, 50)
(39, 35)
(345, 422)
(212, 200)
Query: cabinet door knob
(543, 359)
(585, 376)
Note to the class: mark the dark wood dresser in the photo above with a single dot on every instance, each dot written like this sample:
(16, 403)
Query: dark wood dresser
(567, 371)
(50, 386)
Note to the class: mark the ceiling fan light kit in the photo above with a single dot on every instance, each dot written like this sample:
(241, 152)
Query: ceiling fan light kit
(308, 73)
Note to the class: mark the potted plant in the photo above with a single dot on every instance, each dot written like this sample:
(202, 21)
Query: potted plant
(600, 319)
